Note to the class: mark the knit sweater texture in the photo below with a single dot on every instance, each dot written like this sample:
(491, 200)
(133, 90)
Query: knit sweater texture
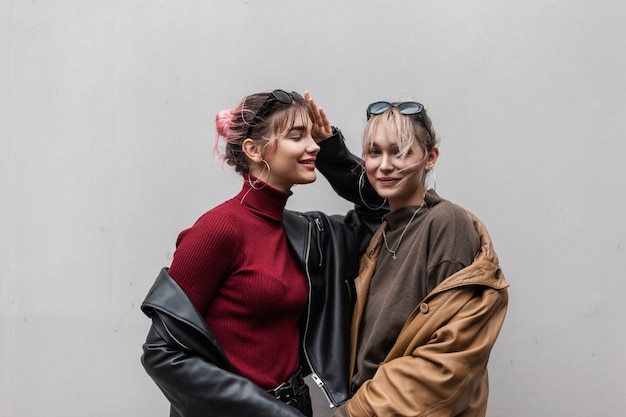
(236, 267)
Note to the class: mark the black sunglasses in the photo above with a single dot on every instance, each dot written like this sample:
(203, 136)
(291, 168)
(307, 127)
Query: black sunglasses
(276, 96)
(407, 108)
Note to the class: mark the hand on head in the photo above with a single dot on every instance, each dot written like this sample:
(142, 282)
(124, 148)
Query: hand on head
(321, 125)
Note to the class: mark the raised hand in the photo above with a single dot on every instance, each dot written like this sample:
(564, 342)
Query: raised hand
(321, 125)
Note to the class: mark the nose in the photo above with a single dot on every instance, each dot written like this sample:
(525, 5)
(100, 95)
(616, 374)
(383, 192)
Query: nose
(385, 163)
(312, 146)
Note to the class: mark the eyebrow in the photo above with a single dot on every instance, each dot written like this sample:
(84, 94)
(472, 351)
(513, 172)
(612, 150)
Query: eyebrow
(298, 128)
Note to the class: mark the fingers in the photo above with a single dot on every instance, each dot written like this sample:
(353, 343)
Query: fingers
(323, 120)
(312, 103)
(320, 117)
(321, 125)
(309, 99)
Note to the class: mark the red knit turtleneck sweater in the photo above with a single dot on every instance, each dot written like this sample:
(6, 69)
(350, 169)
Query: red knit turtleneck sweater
(236, 267)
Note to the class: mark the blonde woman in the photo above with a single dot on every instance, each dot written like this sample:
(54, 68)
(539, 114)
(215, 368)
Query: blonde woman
(431, 297)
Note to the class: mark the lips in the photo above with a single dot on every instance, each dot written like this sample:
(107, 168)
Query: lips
(387, 181)
(308, 162)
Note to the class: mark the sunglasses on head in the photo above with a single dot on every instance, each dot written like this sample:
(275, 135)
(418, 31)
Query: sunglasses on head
(276, 96)
(407, 108)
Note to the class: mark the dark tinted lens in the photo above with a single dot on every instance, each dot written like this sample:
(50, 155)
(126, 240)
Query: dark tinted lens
(378, 107)
(297, 96)
(276, 95)
(409, 108)
(282, 96)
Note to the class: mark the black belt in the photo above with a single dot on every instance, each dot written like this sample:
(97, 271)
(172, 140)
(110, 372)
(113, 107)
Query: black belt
(290, 389)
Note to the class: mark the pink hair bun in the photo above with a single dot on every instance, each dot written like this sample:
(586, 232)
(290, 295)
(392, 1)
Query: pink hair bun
(222, 121)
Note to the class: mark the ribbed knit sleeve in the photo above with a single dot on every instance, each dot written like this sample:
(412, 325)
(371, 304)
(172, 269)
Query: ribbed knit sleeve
(205, 255)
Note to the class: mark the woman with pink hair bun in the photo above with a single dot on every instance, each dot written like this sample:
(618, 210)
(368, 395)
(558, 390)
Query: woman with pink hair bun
(257, 296)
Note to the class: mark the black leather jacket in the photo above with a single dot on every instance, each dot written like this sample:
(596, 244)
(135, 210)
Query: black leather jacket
(182, 355)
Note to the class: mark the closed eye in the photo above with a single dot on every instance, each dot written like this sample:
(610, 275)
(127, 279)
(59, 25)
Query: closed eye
(296, 133)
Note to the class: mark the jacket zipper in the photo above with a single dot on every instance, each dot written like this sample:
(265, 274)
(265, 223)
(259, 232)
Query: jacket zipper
(307, 252)
(320, 229)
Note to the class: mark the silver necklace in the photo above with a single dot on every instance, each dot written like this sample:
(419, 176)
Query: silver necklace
(393, 251)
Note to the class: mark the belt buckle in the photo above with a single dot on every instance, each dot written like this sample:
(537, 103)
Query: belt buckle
(285, 392)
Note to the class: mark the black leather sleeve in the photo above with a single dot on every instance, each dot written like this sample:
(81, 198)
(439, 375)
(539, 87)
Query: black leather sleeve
(343, 171)
(196, 387)
(188, 365)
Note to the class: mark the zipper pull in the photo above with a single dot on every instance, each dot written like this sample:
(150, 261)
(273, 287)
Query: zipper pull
(318, 223)
(317, 380)
(320, 384)
(320, 229)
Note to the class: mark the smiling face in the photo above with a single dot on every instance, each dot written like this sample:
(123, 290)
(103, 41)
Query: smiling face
(397, 174)
(292, 155)
(290, 151)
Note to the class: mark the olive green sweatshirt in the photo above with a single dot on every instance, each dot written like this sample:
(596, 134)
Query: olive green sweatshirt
(439, 241)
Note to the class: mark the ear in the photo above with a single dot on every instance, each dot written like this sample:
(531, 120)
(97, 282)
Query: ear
(252, 150)
(432, 158)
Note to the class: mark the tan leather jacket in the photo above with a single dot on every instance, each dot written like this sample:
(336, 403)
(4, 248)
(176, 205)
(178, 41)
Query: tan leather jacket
(438, 365)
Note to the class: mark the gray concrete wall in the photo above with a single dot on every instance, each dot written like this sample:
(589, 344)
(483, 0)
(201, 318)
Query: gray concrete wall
(106, 128)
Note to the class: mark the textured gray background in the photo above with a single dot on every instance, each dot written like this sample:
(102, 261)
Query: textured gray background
(106, 128)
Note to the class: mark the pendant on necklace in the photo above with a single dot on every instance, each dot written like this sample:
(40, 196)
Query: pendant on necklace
(393, 251)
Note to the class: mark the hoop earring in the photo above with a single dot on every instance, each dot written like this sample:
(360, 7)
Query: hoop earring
(256, 181)
(252, 184)
(361, 185)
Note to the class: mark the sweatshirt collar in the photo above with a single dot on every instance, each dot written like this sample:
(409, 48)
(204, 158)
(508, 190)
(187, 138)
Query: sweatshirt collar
(399, 218)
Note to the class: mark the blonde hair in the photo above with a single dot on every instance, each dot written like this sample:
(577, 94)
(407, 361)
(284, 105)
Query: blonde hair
(408, 128)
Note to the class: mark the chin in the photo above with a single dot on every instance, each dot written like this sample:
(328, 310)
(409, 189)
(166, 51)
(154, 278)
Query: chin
(384, 192)
(308, 180)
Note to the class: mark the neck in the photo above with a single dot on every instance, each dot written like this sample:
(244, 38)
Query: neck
(263, 197)
(417, 199)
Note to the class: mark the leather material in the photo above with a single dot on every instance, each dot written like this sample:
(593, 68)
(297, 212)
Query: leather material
(440, 357)
(182, 355)
(183, 358)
